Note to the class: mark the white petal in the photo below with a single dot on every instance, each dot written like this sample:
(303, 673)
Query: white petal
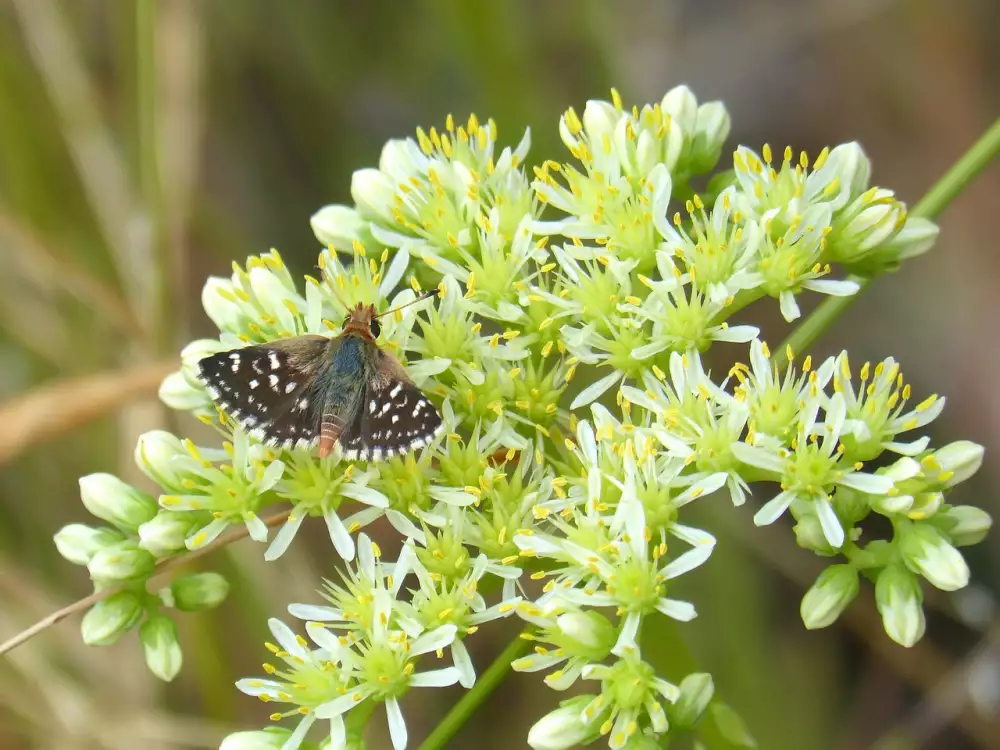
(736, 334)
(692, 535)
(324, 638)
(832, 529)
(909, 449)
(295, 738)
(255, 686)
(365, 495)
(405, 526)
(702, 487)
(759, 457)
(595, 390)
(366, 556)
(397, 726)
(206, 534)
(363, 517)
(338, 734)
(395, 272)
(687, 561)
(341, 539)
(587, 442)
(315, 613)
(453, 496)
(773, 508)
(648, 350)
(255, 527)
(678, 610)
(832, 287)
(463, 663)
(433, 640)
(640, 398)
(427, 368)
(285, 637)
(626, 638)
(284, 536)
(435, 678)
(873, 484)
(341, 705)
(789, 308)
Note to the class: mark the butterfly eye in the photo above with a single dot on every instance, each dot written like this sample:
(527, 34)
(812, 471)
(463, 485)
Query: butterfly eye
(376, 328)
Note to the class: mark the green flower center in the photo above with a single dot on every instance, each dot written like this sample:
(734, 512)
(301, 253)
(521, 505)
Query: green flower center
(629, 683)
(774, 411)
(810, 469)
(387, 669)
(310, 684)
(636, 585)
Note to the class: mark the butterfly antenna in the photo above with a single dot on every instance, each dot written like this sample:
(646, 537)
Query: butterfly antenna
(421, 298)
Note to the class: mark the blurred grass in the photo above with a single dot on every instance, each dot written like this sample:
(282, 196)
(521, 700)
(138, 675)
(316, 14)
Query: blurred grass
(203, 132)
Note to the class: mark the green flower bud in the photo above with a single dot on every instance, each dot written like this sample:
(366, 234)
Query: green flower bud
(111, 618)
(960, 460)
(197, 591)
(965, 524)
(713, 126)
(809, 535)
(899, 600)
(154, 455)
(338, 227)
(111, 500)
(273, 295)
(219, 299)
(177, 392)
(161, 646)
(870, 220)
(917, 236)
(833, 590)
(587, 634)
(852, 506)
(926, 551)
(696, 693)
(272, 738)
(121, 564)
(165, 534)
(564, 727)
(78, 542)
(682, 106)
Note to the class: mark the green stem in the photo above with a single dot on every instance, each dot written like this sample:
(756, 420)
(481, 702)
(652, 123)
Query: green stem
(954, 181)
(486, 683)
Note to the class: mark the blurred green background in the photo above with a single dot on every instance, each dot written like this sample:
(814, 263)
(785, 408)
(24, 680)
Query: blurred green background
(144, 145)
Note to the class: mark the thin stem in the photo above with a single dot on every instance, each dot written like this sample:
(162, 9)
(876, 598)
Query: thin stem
(164, 567)
(487, 682)
(964, 171)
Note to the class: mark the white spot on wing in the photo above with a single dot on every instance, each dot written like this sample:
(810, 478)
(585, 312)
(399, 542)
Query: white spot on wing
(395, 390)
(274, 382)
(275, 364)
(254, 383)
(290, 387)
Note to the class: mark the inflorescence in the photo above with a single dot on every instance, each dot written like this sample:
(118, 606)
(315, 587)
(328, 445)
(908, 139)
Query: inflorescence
(565, 351)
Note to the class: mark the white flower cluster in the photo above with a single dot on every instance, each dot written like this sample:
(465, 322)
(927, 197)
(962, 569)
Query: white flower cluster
(565, 355)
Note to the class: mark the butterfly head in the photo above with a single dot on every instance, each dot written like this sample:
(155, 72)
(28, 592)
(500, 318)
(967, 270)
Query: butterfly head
(361, 322)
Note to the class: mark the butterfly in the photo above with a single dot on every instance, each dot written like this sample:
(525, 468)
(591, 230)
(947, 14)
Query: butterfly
(316, 390)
